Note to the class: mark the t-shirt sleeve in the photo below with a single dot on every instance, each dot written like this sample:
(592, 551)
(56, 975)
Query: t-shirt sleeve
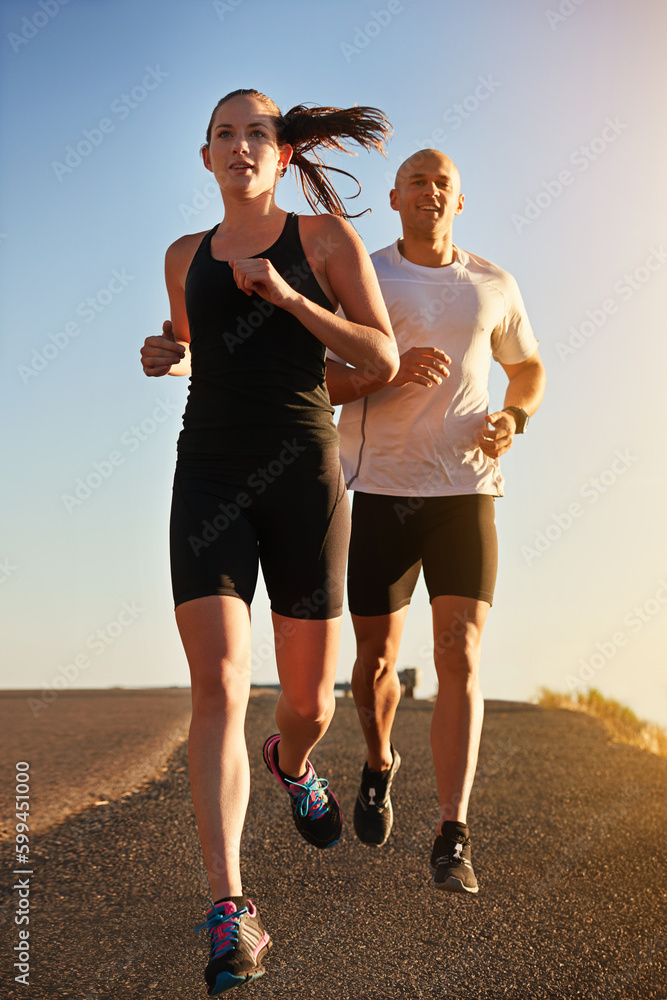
(334, 357)
(513, 340)
(330, 356)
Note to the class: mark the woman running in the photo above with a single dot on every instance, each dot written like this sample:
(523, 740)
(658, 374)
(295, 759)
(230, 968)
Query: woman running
(258, 477)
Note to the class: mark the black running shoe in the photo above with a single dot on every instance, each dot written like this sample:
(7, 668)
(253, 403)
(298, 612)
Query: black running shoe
(450, 861)
(373, 815)
(314, 806)
(238, 944)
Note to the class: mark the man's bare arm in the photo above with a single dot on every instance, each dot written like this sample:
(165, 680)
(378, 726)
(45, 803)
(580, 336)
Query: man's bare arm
(527, 380)
(423, 365)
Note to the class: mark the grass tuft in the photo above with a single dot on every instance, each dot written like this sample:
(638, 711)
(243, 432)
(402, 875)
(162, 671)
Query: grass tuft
(621, 723)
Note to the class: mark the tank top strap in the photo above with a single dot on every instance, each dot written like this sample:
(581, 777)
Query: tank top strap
(205, 245)
(292, 226)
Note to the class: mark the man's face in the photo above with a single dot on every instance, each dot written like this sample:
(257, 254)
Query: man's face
(427, 194)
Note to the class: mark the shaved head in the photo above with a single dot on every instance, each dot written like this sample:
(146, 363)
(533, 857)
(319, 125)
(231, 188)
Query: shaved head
(428, 160)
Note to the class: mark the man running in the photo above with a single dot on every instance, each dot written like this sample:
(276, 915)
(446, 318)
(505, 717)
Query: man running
(421, 453)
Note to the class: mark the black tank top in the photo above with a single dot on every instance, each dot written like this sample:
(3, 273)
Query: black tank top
(258, 375)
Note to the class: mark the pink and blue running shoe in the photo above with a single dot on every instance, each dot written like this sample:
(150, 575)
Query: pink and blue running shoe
(314, 806)
(238, 944)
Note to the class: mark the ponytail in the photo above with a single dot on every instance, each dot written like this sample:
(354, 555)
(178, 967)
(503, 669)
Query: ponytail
(307, 129)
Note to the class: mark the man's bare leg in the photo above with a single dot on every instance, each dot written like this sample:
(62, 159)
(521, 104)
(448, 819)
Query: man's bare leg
(375, 684)
(456, 726)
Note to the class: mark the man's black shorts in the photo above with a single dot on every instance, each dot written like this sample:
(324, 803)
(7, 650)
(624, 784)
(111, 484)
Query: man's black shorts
(453, 538)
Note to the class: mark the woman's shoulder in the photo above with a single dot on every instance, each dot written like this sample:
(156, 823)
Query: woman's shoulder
(185, 244)
(179, 255)
(324, 224)
(323, 235)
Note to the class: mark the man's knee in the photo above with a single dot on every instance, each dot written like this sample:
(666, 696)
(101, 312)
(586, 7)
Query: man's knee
(459, 658)
(375, 663)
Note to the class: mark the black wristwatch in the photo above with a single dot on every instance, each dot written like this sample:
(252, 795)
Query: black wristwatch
(520, 416)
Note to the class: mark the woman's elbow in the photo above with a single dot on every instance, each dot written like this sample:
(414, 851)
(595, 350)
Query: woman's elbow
(389, 361)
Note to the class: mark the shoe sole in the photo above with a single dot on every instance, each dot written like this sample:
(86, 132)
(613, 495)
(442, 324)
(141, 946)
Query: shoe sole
(453, 885)
(227, 981)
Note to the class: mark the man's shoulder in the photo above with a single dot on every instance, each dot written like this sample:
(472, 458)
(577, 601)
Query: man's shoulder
(474, 261)
(481, 269)
(386, 256)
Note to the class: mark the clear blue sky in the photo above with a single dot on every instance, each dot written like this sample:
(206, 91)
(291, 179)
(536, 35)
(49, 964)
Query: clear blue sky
(556, 121)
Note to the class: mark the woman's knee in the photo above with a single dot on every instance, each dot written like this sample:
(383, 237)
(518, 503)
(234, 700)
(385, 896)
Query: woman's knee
(315, 707)
(220, 691)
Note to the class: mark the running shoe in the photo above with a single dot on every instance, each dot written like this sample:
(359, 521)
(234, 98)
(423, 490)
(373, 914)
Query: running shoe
(238, 944)
(314, 806)
(373, 814)
(451, 867)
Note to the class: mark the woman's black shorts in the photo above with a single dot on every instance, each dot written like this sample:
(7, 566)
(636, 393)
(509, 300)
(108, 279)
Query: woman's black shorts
(290, 516)
(453, 538)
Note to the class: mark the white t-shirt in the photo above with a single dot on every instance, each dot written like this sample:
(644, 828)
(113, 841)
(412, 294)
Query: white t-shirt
(417, 441)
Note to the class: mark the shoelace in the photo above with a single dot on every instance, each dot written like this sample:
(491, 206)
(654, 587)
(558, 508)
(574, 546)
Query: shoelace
(310, 799)
(452, 859)
(377, 801)
(224, 930)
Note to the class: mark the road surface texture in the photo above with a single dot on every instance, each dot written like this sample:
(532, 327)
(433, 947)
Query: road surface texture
(568, 846)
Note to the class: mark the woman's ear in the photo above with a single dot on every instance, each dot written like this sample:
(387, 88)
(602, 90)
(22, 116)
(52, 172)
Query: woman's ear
(284, 158)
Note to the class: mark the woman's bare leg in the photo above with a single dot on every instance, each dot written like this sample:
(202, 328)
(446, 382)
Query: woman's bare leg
(306, 654)
(216, 637)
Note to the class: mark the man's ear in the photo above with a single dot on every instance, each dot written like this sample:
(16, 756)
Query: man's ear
(459, 207)
(394, 199)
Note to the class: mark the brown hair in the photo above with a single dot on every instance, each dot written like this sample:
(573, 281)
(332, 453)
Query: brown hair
(307, 128)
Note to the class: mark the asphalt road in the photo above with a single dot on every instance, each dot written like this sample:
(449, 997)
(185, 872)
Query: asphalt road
(71, 741)
(568, 846)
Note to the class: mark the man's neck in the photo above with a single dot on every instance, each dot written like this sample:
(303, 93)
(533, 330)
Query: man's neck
(427, 253)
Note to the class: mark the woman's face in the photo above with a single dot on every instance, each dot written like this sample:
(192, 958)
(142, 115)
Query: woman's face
(243, 154)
